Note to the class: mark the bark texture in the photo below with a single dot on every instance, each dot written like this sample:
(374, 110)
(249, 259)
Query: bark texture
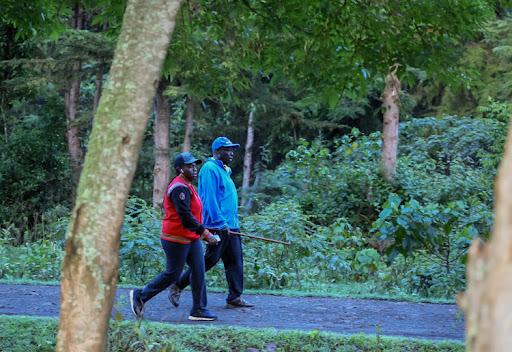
(189, 124)
(391, 104)
(71, 105)
(489, 271)
(89, 269)
(161, 138)
(98, 86)
(246, 180)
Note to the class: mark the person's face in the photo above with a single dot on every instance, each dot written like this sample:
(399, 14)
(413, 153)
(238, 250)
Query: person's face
(189, 171)
(226, 154)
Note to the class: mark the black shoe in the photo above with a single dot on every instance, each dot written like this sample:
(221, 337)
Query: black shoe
(238, 303)
(136, 304)
(174, 295)
(202, 315)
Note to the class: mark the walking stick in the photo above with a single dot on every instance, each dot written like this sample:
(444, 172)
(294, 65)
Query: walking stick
(260, 238)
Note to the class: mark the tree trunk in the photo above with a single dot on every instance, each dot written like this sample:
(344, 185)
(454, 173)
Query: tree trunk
(489, 272)
(89, 269)
(391, 105)
(98, 85)
(248, 158)
(189, 124)
(250, 200)
(72, 103)
(161, 137)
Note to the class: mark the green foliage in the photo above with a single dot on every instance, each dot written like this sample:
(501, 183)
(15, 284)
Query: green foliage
(495, 110)
(34, 168)
(442, 199)
(140, 238)
(487, 67)
(346, 177)
(37, 260)
(339, 47)
(442, 233)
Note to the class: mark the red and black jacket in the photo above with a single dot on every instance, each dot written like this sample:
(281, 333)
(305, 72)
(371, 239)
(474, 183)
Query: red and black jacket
(182, 218)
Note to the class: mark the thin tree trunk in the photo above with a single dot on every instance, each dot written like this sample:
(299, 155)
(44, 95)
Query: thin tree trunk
(161, 138)
(89, 269)
(98, 85)
(391, 105)
(189, 124)
(4, 120)
(255, 184)
(489, 272)
(248, 157)
(72, 103)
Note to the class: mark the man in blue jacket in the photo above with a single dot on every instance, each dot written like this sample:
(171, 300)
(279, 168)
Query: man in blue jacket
(220, 215)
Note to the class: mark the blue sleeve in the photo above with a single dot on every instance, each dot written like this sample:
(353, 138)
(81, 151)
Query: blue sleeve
(209, 191)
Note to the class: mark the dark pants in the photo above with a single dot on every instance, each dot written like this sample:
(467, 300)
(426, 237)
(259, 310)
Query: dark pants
(229, 249)
(177, 255)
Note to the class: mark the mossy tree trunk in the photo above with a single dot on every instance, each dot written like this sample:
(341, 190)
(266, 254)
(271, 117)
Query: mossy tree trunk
(489, 271)
(391, 105)
(89, 269)
(161, 138)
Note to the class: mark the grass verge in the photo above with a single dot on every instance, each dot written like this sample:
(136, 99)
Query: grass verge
(22, 334)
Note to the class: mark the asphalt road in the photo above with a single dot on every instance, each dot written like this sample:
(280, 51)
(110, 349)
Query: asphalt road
(339, 315)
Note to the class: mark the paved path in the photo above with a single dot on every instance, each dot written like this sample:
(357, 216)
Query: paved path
(340, 315)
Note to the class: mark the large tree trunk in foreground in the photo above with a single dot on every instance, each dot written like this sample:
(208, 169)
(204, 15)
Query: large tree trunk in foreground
(489, 271)
(71, 106)
(248, 158)
(89, 269)
(189, 124)
(391, 104)
(161, 137)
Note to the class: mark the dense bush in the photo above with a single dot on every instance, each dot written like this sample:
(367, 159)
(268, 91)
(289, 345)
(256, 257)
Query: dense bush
(442, 198)
(34, 172)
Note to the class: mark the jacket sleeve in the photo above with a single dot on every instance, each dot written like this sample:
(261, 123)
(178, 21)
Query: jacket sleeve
(180, 197)
(209, 184)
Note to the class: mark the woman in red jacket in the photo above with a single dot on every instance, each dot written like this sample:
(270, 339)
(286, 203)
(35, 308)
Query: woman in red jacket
(181, 241)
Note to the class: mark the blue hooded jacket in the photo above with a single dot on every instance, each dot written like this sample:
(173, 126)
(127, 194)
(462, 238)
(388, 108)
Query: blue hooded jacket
(219, 196)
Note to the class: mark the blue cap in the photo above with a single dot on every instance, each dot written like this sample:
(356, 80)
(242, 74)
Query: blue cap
(185, 158)
(221, 142)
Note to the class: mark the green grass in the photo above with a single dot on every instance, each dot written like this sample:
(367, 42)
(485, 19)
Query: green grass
(346, 290)
(22, 334)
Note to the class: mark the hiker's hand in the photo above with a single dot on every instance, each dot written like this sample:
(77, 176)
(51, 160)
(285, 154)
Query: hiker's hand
(209, 238)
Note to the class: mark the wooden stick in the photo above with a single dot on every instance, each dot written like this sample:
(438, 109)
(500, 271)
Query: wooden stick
(260, 238)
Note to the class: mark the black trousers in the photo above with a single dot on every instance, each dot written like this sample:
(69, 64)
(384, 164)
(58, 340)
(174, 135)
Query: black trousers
(229, 249)
(177, 254)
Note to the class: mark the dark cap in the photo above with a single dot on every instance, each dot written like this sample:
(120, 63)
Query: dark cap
(223, 142)
(185, 158)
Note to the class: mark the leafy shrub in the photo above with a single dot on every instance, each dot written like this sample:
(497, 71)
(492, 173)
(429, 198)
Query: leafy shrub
(344, 183)
(141, 255)
(37, 260)
(495, 110)
(440, 233)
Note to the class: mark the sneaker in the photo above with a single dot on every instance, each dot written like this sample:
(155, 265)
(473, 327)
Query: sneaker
(136, 304)
(174, 295)
(202, 315)
(238, 303)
